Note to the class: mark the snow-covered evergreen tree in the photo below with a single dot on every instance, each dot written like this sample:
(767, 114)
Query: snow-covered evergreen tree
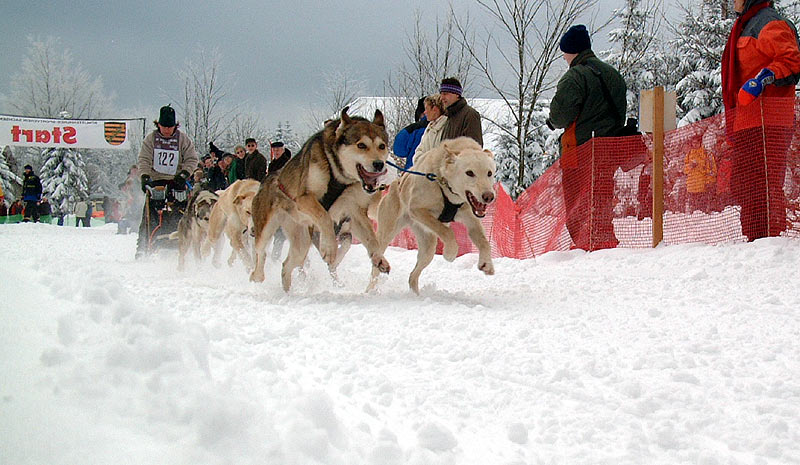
(63, 176)
(541, 151)
(790, 9)
(700, 40)
(638, 51)
(12, 183)
(286, 134)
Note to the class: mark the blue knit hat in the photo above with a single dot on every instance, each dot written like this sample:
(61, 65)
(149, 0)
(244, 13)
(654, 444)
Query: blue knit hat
(575, 40)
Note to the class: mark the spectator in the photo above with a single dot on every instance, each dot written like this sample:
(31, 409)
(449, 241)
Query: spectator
(217, 180)
(16, 208)
(236, 170)
(255, 164)
(108, 210)
(3, 208)
(761, 58)
(462, 119)
(590, 98)
(700, 170)
(31, 194)
(434, 112)
(83, 214)
(724, 182)
(279, 155)
(45, 211)
(407, 140)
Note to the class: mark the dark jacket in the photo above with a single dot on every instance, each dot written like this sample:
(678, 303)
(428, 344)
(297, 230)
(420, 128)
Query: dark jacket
(278, 163)
(216, 179)
(255, 166)
(463, 120)
(31, 188)
(580, 96)
(407, 140)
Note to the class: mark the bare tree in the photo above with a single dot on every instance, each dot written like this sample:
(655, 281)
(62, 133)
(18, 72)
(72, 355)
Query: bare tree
(241, 127)
(206, 113)
(50, 82)
(430, 56)
(522, 43)
(340, 89)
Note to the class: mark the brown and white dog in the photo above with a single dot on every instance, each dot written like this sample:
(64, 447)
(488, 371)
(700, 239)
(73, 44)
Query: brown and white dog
(232, 214)
(193, 226)
(337, 170)
(463, 190)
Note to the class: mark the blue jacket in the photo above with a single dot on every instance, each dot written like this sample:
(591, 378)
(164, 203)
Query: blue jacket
(407, 140)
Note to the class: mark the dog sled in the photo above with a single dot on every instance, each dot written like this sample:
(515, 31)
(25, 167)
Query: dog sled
(164, 206)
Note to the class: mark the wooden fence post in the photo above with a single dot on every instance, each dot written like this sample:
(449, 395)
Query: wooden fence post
(658, 165)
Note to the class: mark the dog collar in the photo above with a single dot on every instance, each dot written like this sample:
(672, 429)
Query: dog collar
(450, 209)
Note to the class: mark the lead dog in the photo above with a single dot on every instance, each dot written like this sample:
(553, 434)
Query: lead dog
(193, 226)
(231, 214)
(463, 190)
(337, 169)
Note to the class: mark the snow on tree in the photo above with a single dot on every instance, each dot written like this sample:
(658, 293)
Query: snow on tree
(11, 182)
(638, 51)
(63, 176)
(50, 82)
(700, 40)
(541, 150)
(790, 9)
(284, 133)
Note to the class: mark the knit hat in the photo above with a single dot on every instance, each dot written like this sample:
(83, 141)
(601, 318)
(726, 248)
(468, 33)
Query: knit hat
(575, 40)
(167, 116)
(451, 85)
(28, 167)
(214, 149)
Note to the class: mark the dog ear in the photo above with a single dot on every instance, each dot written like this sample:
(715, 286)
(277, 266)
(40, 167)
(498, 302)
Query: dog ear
(489, 152)
(345, 121)
(449, 154)
(378, 119)
(238, 199)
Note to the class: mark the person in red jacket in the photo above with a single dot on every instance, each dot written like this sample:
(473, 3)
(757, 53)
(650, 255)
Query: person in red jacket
(761, 59)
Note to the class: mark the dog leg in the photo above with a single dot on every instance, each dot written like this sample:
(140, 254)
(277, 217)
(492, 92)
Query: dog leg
(424, 217)
(309, 205)
(260, 245)
(427, 249)
(299, 243)
(478, 237)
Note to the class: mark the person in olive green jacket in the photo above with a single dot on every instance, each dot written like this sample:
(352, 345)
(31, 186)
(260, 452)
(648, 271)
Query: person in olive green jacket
(590, 100)
(462, 119)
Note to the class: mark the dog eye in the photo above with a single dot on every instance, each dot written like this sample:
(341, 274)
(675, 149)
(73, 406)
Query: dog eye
(382, 146)
(470, 174)
(362, 146)
(489, 174)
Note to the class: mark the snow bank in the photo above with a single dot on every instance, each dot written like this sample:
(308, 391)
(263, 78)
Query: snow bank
(683, 354)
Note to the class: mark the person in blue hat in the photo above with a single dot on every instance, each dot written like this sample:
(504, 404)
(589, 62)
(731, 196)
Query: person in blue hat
(590, 99)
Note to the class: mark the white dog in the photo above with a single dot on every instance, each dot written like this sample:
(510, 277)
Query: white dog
(463, 190)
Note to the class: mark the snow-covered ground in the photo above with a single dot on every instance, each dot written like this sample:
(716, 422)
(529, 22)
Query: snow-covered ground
(683, 354)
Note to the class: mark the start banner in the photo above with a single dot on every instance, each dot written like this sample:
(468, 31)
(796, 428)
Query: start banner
(76, 133)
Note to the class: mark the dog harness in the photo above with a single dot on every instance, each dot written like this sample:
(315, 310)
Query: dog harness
(335, 189)
(450, 209)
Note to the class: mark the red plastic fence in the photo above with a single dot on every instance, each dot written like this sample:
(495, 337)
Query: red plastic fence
(730, 178)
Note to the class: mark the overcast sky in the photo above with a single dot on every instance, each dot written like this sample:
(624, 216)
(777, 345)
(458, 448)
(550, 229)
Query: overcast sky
(276, 51)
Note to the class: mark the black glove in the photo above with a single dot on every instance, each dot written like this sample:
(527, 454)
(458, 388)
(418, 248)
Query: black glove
(181, 177)
(145, 182)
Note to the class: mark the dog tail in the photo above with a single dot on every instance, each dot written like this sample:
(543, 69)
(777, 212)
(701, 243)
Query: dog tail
(174, 236)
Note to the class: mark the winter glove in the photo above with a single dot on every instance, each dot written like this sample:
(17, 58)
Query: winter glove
(754, 87)
(145, 182)
(181, 177)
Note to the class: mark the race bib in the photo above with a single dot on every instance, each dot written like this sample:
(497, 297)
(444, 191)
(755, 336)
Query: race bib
(165, 154)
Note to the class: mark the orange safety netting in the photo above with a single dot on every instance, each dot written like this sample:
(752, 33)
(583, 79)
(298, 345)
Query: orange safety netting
(728, 178)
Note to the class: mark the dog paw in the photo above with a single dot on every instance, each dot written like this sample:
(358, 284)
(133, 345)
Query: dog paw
(381, 264)
(487, 267)
(450, 251)
(257, 277)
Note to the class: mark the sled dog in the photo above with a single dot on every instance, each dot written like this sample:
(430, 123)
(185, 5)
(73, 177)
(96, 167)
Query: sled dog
(337, 170)
(193, 226)
(231, 214)
(462, 192)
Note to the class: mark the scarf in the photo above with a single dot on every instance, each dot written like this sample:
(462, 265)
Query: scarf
(730, 88)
